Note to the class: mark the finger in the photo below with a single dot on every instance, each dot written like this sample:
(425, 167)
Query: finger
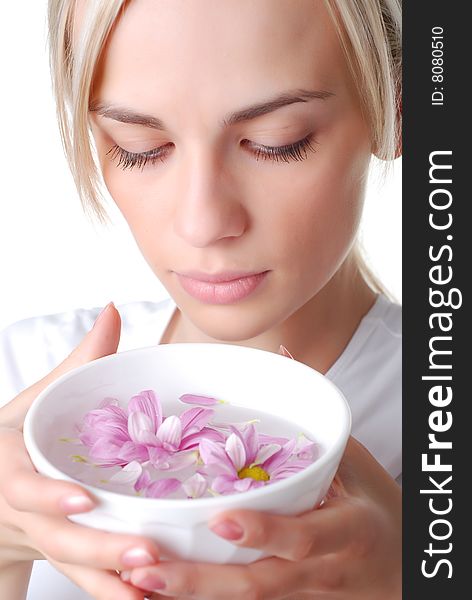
(269, 578)
(361, 475)
(25, 490)
(193, 580)
(318, 531)
(72, 543)
(101, 340)
(15, 546)
(101, 585)
(320, 577)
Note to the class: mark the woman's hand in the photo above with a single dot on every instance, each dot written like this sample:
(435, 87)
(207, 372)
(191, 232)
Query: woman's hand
(33, 508)
(348, 549)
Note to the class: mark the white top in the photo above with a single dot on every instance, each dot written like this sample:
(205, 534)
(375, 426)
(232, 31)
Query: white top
(368, 372)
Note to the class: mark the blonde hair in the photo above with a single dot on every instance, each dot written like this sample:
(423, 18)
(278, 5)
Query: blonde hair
(376, 26)
(369, 32)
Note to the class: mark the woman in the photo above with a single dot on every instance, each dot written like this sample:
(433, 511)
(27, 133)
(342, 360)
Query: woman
(235, 138)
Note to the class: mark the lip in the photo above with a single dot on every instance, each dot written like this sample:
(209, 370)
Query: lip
(225, 287)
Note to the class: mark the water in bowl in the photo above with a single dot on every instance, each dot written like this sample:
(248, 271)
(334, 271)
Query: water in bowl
(71, 456)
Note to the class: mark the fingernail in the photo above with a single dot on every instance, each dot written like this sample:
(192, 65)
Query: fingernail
(125, 576)
(149, 582)
(137, 557)
(102, 312)
(284, 352)
(228, 530)
(76, 504)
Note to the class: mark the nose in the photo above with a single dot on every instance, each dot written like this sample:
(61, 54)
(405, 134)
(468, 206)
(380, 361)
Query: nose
(207, 205)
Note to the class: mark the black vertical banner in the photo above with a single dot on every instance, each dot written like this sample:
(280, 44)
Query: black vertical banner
(437, 227)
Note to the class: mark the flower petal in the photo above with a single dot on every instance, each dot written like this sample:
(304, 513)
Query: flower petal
(170, 433)
(309, 452)
(108, 400)
(236, 451)
(201, 400)
(191, 441)
(162, 488)
(195, 486)
(306, 448)
(280, 457)
(194, 419)
(224, 484)
(251, 443)
(128, 474)
(265, 452)
(143, 481)
(249, 439)
(272, 439)
(289, 468)
(130, 451)
(105, 454)
(159, 457)
(182, 460)
(229, 426)
(107, 422)
(247, 483)
(148, 403)
(140, 427)
(214, 455)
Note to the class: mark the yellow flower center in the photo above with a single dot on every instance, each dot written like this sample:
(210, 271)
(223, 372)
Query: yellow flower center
(254, 472)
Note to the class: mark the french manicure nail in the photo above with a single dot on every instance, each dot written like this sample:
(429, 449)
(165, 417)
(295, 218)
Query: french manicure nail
(76, 504)
(228, 530)
(137, 557)
(284, 352)
(102, 312)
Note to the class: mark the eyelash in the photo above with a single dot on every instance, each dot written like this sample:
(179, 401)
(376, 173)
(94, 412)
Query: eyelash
(296, 151)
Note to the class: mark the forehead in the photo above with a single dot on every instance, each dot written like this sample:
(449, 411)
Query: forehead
(218, 51)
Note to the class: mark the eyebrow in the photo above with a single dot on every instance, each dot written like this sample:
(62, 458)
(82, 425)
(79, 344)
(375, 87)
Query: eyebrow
(127, 115)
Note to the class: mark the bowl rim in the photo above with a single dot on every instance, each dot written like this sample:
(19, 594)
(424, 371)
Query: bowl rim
(112, 497)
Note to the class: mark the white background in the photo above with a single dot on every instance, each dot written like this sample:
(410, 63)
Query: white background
(51, 257)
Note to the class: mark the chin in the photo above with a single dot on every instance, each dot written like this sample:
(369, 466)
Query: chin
(228, 325)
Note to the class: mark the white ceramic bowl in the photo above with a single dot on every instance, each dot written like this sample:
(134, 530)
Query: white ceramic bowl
(244, 377)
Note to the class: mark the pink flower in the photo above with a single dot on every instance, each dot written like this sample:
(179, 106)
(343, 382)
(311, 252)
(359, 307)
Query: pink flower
(105, 431)
(244, 463)
(141, 433)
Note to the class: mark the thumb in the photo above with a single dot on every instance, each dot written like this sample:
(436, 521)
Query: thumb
(101, 340)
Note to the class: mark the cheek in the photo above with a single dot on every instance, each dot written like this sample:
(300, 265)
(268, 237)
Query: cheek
(316, 214)
(131, 191)
(141, 202)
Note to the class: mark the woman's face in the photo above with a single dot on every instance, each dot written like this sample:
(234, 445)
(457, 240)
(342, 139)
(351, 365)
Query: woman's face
(256, 150)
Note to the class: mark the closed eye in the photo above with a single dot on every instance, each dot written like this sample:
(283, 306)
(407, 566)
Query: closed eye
(296, 151)
(128, 160)
(290, 152)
